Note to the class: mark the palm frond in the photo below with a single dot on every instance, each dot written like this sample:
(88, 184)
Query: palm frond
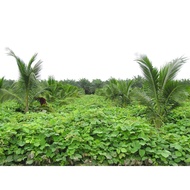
(142, 98)
(21, 65)
(8, 95)
(51, 80)
(174, 91)
(37, 68)
(169, 71)
(1, 82)
(33, 58)
(150, 73)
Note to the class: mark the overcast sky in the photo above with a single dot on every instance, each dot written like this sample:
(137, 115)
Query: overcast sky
(93, 38)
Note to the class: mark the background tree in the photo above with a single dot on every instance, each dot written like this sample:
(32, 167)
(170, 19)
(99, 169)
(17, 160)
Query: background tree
(86, 85)
(96, 84)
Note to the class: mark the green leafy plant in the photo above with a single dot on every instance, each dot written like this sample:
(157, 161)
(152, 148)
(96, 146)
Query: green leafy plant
(90, 131)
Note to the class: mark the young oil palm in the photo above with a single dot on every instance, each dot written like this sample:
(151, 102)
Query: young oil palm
(119, 90)
(57, 90)
(26, 88)
(161, 91)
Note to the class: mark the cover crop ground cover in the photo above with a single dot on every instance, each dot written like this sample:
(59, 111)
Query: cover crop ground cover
(92, 131)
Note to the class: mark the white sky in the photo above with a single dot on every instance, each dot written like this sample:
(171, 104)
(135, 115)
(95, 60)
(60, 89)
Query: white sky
(93, 38)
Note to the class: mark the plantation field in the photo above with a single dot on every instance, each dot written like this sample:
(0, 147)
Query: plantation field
(92, 131)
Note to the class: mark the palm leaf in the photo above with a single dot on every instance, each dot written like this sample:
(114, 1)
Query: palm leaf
(7, 95)
(1, 82)
(150, 73)
(37, 68)
(169, 71)
(174, 91)
(33, 58)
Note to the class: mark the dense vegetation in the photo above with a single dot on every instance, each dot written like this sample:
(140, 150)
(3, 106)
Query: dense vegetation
(91, 131)
(95, 123)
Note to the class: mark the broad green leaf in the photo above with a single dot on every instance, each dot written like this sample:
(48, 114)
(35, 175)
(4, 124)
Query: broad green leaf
(18, 151)
(37, 144)
(26, 130)
(118, 151)
(187, 160)
(177, 160)
(142, 143)
(124, 150)
(58, 159)
(164, 153)
(9, 159)
(21, 143)
(178, 154)
(143, 136)
(76, 157)
(177, 146)
(148, 149)
(121, 155)
(114, 134)
(136, 146)
(110, 162)
(133, 150)
(141, 152)
(97, 131)
(124, 128)
(29, 162)
(108, 156)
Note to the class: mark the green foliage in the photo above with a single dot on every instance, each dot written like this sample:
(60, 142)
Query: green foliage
(161, 93)
(180, 113)
(90, 131)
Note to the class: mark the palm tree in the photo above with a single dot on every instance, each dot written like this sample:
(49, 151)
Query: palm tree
(57, 90)
(161, 91)
(119, 90)
(86, 85)
(52, 88)
(26, 88)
